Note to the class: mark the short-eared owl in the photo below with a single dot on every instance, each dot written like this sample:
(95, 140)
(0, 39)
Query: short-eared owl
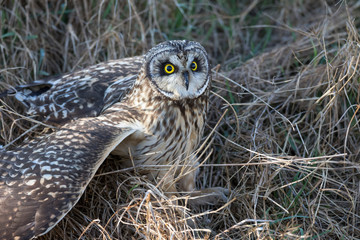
(152, 107)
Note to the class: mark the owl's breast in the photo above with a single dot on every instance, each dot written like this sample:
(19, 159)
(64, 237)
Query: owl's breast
(172, 137)
(169, 138)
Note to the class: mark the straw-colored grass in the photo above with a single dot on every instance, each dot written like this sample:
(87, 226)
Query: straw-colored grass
(283, 131)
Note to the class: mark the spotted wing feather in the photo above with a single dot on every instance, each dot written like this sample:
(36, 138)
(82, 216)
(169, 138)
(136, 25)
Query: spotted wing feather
(84, 93)
(42, 180)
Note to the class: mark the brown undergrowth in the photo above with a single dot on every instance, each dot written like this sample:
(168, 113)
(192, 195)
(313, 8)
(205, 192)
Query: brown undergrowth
(282, 133)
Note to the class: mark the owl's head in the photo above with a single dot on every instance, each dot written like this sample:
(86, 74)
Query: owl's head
(178, 69)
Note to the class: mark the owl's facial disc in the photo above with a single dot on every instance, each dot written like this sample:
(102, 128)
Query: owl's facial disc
(178, 69)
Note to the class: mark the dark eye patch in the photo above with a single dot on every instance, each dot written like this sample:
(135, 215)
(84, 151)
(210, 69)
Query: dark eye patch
(197, 63)
(161, 67)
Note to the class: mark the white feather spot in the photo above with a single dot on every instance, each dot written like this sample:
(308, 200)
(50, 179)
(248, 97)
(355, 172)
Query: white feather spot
(38, 150)
(47, 176)
(30, 182)
(65, 113)
(42, 109)
(52, 107)
(87, 77)
(46, 168)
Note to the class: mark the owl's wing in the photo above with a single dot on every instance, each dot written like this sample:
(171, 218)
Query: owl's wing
(43, 179)
(84, 93)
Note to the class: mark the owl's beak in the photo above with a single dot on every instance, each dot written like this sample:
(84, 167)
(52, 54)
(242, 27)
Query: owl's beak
(186, 79)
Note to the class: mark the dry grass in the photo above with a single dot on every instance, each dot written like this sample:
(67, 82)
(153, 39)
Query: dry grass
(287, 146)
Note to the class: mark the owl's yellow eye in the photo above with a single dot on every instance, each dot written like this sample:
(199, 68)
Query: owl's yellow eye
(169, 68)
(193, 66)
